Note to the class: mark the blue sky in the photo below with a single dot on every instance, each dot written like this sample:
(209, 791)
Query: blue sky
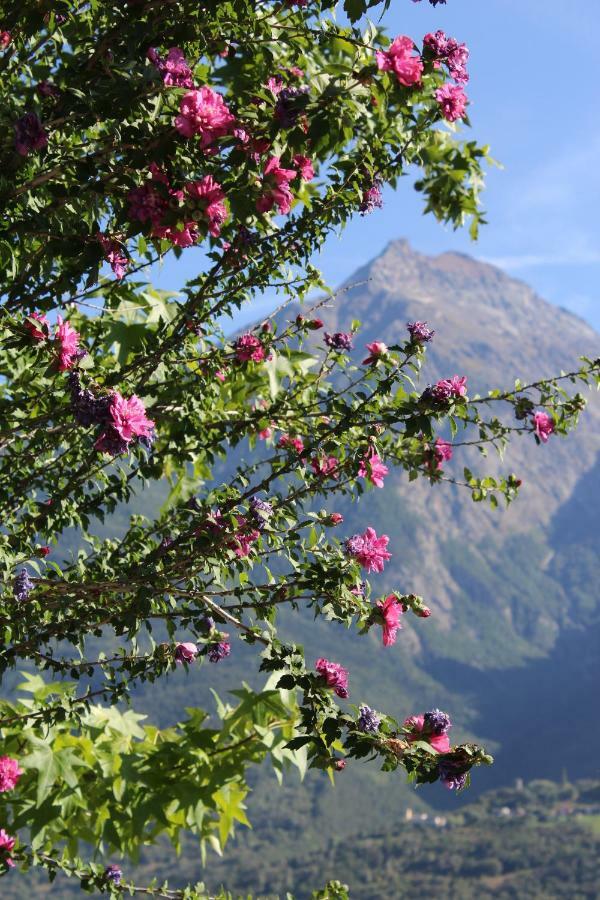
(535, 98)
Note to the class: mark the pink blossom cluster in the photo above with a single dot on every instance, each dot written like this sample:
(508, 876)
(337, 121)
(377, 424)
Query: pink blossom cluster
(127, 422)
(174, 69)
(325, 466)
(543, 425)
(369, 550)
(201, 201)
(5, 39)
(276, 190)
(203, 112)
(10, 772)
(452, 100)
(448, 50)
(334, 675)
(401, 59)
(7, 844)
(245, 536)
(114, 255)
(373, 469)
(65, 339)
(207, 198)
(446, 389)
(249, 348)
(67, 344)
(438, 454)
(288, 442)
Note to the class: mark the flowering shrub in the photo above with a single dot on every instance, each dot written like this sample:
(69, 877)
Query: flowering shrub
(241, 135)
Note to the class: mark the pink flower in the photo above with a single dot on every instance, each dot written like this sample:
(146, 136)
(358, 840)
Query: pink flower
(335, 676)
(439, 742)
(209, 196)
(376, 349)
(186, 652)
(114, 256)
(249, 347)
(9, 773)
(335, 518)
(304, 166)
(68, 344)
(390, 611)
(448, 388)
(454, 54)
(442, 451)
(128, 417)
(369, 550)
(452, 100)
(373, 468)
(325, 466)
(7, 843)
(291, 443)
(543, 426)
(399, 59)
(275, 84)
(276, 182)
(5, 39)
(244, 538)
(175, 69)
(183, 237)
(38, 334)
(204, 112)
(220, 375)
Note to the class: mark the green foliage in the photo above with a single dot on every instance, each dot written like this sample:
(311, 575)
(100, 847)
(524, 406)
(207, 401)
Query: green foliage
(98, 778)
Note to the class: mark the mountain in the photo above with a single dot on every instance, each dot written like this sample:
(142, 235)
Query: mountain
(514, 592)
(511, 649)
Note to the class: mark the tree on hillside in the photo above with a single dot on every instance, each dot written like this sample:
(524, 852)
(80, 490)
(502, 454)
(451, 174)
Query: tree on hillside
(241, 133)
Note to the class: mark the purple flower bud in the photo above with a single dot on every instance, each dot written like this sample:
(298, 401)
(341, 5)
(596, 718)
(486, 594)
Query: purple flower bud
(436, 721)
(113, 873)
(291, 102)
(207, 624)
(372, 198)
(23, 585)
(419, 332)
(339, 341)
(261, 512)
(368, 721)
(452, 775)
(218, 651)
(29, 134)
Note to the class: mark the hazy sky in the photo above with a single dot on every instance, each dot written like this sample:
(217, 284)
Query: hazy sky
(535, 98)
